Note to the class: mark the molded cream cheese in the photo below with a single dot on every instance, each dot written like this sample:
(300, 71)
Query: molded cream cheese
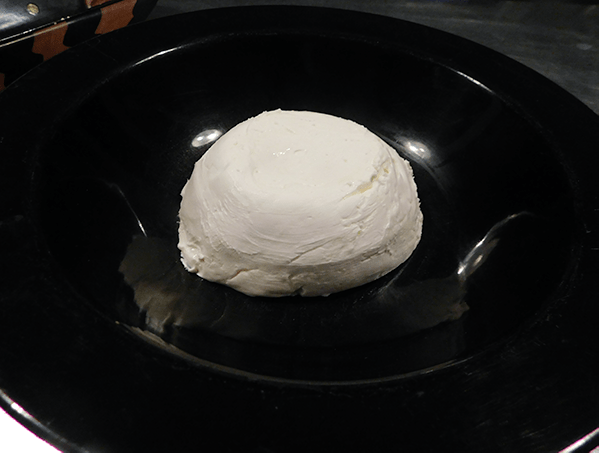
(292, 202)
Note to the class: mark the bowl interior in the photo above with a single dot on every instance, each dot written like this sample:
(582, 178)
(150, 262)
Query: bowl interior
(499, 218)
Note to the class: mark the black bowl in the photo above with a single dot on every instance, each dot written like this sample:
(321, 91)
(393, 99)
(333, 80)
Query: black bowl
(109, 343)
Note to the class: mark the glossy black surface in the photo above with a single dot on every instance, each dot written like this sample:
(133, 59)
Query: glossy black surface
(482, 341)
(15, 18)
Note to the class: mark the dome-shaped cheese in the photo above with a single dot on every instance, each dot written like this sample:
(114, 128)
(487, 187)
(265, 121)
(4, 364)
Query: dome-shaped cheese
(298, 203)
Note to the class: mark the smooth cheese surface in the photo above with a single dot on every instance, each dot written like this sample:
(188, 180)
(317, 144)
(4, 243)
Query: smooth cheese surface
(296, 202)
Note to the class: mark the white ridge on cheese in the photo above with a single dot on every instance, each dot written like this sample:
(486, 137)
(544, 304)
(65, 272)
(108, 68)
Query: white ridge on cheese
(297, 202)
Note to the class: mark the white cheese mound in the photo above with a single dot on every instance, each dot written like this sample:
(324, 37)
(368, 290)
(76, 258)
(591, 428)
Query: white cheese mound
(293, 202)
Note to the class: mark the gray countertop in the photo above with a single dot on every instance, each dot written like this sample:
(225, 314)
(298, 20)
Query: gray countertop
(560, 40)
